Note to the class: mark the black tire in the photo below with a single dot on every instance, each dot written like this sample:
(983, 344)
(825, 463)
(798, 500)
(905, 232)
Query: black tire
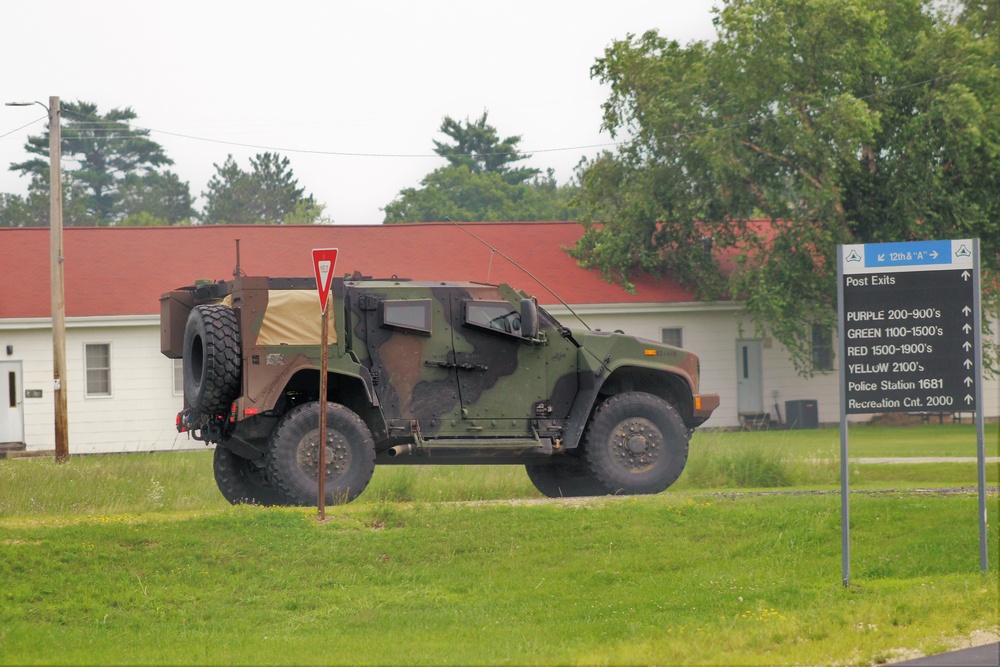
(293, 454)
(211, 359)
(241, 481)
(564, 479)
(636, 443)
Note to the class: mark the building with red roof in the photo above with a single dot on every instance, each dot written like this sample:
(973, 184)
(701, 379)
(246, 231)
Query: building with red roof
(123, 394)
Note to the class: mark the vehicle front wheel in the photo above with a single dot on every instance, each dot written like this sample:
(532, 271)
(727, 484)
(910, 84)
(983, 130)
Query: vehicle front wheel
(293, 454)
(636, 443)
(241, 481)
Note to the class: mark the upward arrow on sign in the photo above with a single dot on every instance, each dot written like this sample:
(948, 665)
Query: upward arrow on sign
(324, 261)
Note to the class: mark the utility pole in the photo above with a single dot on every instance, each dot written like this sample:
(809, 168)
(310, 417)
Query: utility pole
(58, 287)
(56, 276)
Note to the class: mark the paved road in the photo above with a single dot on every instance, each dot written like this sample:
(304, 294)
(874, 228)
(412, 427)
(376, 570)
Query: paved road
(987, 655)
(926, 459)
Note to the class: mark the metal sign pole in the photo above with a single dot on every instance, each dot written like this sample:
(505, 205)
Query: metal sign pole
(980, 417)
(845, 522)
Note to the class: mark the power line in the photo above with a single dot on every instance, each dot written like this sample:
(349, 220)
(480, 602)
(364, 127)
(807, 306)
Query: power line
(107, 128)
(17, 129)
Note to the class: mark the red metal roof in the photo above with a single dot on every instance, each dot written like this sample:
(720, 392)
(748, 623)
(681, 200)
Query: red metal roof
(123, 270)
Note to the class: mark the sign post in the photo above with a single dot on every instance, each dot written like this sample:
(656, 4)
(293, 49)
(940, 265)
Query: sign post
(324, 261)
(910, 340)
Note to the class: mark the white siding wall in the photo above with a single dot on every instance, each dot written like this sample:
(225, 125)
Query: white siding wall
(138, 416)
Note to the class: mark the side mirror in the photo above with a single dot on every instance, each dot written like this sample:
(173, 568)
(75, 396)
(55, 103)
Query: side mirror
(529, 319)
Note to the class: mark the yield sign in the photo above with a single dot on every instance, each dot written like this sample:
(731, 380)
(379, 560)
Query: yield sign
(324, 260)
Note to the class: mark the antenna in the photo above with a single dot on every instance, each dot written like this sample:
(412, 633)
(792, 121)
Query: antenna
(237, 272)
(526, 271)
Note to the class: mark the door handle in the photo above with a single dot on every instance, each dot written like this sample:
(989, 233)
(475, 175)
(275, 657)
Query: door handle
(462, 367)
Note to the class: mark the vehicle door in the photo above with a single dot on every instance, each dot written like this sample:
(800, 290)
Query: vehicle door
(409, 341)
(503, 377)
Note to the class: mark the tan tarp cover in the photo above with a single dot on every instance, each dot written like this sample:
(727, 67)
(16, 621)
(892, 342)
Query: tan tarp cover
(293, 318)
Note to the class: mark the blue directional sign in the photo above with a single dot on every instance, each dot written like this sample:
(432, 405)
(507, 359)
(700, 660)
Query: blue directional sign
(908, 321)
(915, 255)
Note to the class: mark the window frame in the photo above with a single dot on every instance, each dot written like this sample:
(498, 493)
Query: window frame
(680, 336)
(177, 379)
(87, 393)
(469, 304)
(428, 312)
(821, 353)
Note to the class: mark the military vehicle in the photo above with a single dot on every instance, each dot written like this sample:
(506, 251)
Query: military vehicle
(421, 373)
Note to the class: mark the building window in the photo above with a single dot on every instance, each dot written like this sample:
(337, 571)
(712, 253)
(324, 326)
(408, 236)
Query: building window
(822, 348)
(98, 368)
(178, 376)
(672, 336)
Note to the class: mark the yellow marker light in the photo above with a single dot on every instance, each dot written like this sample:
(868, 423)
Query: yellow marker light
(697, 402)
(649, 353)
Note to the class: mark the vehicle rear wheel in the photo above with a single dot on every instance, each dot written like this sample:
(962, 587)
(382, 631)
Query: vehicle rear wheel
(211, 358)
(293, 454)
(242, 481)
(636, 443)
(564, 479)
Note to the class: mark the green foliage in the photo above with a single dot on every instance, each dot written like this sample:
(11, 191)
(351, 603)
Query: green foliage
(741, 467)
(17, 211)
(479, 183)
(479, 148)
(267, 194)
(832, 121)
(109, 170)
(459, 194)
(156, 195)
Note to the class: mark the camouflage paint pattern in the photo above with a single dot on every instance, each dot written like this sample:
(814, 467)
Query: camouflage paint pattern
(423, 361)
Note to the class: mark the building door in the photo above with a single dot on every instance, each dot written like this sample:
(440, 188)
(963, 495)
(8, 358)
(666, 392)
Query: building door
(11, 407)
(749, 377)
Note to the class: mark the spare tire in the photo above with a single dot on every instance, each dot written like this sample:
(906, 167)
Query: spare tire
(211, 359)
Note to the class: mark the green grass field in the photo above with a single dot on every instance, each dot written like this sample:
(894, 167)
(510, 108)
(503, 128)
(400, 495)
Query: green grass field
(137, 559)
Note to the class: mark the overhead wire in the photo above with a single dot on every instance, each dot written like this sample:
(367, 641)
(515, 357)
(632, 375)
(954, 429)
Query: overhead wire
(98, 127)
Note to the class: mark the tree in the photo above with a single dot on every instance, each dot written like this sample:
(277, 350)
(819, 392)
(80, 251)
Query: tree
(479, 183)
(268, 193)
(834, 121)
(458, 194)
(162, 196)
(479, 148)
(99, 152)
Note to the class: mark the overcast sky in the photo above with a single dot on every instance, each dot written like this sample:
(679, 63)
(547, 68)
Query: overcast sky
(335, 78)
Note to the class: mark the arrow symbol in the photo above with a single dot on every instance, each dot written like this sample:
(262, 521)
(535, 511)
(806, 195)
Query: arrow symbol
(967, 345)
(966, 328)
(969, 399)
(966, 311)
(881, 257)
(966, 275)
(934, 254)
(968, 382)
(967, 364)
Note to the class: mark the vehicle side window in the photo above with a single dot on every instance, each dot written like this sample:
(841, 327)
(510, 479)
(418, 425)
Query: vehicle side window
(412, 315)
(494, 315)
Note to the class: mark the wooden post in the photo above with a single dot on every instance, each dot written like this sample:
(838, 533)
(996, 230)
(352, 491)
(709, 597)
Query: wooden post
(58, 293)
